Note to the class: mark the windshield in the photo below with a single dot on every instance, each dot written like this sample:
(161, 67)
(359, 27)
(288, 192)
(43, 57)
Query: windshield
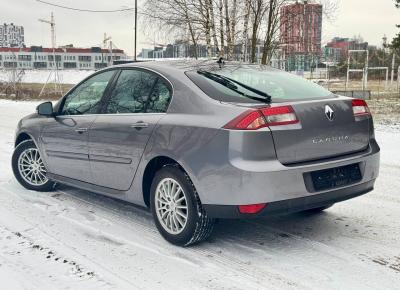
(254, 83)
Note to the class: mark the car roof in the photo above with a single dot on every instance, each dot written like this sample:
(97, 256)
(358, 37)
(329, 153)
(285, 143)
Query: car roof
(185, 65)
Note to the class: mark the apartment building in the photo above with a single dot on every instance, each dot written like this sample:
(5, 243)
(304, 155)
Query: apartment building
(37, 57)
(300, 38)
(11, 35)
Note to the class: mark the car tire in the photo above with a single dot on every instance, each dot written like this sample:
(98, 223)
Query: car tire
(319, 209)
(29, 168)
(174, 197)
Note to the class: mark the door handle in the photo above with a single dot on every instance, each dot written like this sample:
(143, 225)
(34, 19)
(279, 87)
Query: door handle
(81, 130)
(140, 125)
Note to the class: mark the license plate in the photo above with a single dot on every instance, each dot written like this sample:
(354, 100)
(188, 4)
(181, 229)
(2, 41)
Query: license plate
(336, 177)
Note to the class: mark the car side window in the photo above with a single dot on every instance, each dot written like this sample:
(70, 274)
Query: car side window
(86, 98)
(160, 98)
(139, 91)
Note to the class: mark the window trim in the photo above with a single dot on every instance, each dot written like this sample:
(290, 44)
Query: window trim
(107, 98)
(102, 99)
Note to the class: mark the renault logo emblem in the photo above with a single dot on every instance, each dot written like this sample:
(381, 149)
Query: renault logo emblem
(330, 114)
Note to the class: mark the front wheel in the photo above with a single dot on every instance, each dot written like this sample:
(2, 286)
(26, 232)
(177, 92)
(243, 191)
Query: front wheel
(29, 169)
(176, 208)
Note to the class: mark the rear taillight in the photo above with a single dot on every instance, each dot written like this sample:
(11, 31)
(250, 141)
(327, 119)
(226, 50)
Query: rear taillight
(252, 208)
(360, 108)
(249, 120)
(269, 116)
(276, 116)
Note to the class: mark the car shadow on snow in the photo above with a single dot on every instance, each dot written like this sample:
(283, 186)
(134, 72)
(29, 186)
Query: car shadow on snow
(323, 226)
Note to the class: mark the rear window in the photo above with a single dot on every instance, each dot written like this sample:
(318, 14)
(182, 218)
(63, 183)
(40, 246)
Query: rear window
(253, 84)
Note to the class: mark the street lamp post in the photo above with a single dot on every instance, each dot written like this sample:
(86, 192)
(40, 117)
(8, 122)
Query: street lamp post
(134, 55)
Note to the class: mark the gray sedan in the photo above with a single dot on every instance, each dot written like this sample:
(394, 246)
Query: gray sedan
(198, 141)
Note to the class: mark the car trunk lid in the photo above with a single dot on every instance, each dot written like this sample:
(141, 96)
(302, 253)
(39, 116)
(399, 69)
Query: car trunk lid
(327, 128)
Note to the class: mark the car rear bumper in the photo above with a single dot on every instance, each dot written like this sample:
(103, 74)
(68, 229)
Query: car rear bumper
(292, 205)
(284, 188)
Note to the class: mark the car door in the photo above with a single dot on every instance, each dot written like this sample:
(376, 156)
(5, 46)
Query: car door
(119, 136)
(65, 137)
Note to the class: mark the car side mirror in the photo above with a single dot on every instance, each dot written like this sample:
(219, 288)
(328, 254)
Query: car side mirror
(45, 109)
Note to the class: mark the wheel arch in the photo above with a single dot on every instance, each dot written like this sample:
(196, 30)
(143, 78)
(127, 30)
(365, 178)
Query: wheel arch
(155, 164)
(23, 136)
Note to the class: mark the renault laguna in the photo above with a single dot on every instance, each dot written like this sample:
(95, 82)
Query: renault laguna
(198, 141)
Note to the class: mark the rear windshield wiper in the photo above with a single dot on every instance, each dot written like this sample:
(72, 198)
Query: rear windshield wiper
(231, 84)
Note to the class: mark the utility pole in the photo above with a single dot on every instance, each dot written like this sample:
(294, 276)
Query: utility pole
(134, 55)
(366, 70)
(392, 74)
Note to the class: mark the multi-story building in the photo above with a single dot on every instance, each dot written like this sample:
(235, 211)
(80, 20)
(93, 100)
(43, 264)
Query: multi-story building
(300, 38)
(341, 46)
(182, 49)
(11, 35)
(37, 57)
(332, 55)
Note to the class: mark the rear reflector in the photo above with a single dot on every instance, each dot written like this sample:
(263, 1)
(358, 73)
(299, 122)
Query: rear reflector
(252, 208)
(360, 108)
(268, 116)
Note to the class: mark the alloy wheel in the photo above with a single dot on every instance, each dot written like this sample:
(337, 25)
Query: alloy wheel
(31, 167)
(171, 206)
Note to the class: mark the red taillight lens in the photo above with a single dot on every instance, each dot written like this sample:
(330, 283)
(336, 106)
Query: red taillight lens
(269, 116)
(252, 208)
(276, 116)
(360, 108)
(249, 120)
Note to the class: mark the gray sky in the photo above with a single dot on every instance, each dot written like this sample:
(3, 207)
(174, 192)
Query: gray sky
(369, 18)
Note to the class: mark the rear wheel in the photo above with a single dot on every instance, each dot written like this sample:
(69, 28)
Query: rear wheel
(176, 208)
(29, 169)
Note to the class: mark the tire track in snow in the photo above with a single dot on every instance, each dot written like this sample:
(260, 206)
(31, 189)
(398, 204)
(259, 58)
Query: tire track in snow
(152, 238)
(44, 266)
(238, 264)
(215, 256)
(51, 238)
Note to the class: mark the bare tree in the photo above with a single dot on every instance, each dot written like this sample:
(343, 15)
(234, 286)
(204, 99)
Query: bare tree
(233, 26)
(257, 9)
(245, 33)
(177, 14)
(228, 29)
(205, 20)
(213, 28)
(222, 24)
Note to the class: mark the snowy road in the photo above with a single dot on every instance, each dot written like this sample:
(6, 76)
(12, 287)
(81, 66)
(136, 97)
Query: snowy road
(73, 239)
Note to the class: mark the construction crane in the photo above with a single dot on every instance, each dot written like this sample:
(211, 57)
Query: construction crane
(105, 39)
(110, 47)
(52, 24)
(53, 33)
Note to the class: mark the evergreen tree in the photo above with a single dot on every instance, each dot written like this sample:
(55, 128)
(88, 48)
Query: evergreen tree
(396, 41)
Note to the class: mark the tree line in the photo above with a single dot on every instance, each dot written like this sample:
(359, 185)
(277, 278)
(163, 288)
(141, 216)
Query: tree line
(226, 24)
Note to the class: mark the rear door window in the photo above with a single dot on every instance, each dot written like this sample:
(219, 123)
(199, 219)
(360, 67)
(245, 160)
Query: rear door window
(139, 91)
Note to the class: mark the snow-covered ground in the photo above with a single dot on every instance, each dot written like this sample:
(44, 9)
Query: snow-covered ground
(73, 239)
(43, 76)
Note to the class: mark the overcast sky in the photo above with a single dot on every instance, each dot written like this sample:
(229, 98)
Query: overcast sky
(369, 18)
